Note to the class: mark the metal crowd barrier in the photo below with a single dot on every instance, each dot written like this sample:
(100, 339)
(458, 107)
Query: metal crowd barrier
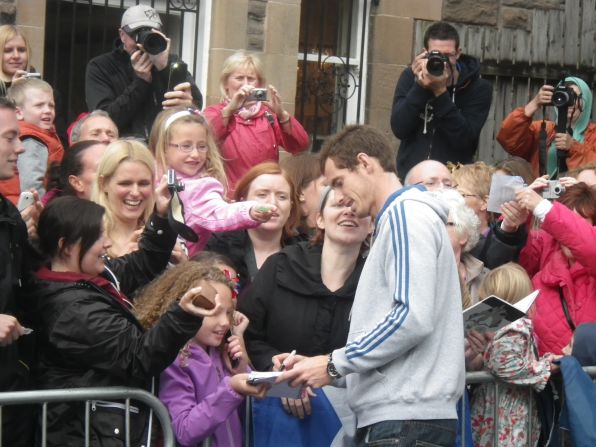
(485, 377)
(44, 397)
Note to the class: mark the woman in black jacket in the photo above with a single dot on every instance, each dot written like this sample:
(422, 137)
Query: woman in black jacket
(302, 296)
(86, 331)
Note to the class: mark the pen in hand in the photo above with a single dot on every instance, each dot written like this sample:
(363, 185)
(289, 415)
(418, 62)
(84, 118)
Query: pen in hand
(287, 360)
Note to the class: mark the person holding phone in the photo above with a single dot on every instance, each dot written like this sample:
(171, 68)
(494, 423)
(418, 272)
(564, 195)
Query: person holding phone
(131, 82)
(202, 389)
(251, 122)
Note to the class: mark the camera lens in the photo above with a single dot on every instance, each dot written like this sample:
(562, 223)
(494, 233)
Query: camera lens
(152, 42)
(558, 189)
(436, 63)
(560, 99)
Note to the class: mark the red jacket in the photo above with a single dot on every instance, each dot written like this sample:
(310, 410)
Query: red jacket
(519, 135)
(544, 260)
(246, 143)
(11, 188)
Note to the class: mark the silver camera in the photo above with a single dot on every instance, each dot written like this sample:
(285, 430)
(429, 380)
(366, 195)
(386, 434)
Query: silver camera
(257, 94)
(553, 190)
(173, 183)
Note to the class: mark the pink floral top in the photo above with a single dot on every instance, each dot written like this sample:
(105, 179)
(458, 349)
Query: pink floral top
(512, 358)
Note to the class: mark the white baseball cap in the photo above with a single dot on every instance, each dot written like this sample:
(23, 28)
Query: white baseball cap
(140, 16)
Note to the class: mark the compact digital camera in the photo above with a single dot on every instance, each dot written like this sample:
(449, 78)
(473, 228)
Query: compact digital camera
(173, 182)
(153, 43)
(436, 62)
(553, 190)
(257, 94)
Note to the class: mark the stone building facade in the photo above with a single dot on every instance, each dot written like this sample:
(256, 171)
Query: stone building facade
(505, 34)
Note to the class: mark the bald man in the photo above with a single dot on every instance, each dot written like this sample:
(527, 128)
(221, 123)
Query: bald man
(430, 173)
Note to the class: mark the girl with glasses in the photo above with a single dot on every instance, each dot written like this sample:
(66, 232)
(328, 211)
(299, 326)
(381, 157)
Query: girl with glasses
(182, 140)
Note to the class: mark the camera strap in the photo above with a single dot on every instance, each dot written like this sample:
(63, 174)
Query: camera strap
(566, 310)
(542, 145)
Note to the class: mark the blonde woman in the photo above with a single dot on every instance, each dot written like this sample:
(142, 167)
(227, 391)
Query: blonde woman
(15, 54)
(125, 188)
(249, 129)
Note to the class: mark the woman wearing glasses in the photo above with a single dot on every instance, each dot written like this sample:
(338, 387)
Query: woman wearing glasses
(519, 135)
(251, 123)
(182, 140)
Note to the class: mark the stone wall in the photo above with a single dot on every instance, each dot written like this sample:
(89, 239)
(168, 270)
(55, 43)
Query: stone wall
(268, 27)
(8, 12)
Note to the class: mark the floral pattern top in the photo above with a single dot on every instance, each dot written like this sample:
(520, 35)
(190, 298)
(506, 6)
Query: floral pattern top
(512, 358)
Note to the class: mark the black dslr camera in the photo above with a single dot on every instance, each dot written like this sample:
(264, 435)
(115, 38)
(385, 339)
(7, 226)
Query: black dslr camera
(564, 96)
(436, 62)
(153, 43)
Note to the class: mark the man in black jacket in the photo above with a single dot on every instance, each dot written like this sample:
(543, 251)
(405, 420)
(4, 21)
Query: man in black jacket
(439, 117)
(131, 84)
(14, 273)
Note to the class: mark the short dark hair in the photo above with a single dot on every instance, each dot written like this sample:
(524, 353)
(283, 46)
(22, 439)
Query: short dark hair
(441, 31)
(74, 220)
(344, 147)
(7, 103)
(72, 164)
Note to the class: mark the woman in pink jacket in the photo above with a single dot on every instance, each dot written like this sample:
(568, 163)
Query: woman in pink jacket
(561, 259)
(251, 123)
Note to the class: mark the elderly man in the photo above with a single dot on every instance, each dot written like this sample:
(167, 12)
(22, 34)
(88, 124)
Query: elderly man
(97, 126)
(131, 84)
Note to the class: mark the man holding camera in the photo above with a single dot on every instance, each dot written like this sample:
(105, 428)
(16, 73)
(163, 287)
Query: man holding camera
(576, 145)
(440, 103)
(131, 82)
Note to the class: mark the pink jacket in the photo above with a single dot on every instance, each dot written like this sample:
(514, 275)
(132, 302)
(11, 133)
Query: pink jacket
(544, 260)
(200, 399)
(246, 143)
(206, 210)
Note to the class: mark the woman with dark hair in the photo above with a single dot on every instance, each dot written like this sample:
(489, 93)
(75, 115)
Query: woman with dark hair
(302, 297)
(86, 332)
(77, 172)
(248, 249)
(561, 260)
(305, 171)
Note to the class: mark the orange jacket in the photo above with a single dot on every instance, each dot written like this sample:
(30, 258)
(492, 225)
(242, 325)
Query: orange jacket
(519, 135)
(11, 188)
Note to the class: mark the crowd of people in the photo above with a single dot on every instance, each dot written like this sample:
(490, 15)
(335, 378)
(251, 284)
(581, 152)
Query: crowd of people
(158, 246)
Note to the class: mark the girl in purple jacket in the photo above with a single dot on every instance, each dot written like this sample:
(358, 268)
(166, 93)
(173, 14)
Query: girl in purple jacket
(201, 389)
(182, 140)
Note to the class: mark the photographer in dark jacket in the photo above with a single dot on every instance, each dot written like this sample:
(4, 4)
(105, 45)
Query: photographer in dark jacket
(131, 84)
(439, 117)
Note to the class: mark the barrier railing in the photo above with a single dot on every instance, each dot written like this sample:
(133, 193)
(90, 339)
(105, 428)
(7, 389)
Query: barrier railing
(479, 377)
(44, 397)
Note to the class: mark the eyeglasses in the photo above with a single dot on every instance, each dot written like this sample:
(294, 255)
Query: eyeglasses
(435, 183)
(187, 148)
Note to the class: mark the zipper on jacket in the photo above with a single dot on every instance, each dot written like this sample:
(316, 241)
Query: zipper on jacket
(108, 404)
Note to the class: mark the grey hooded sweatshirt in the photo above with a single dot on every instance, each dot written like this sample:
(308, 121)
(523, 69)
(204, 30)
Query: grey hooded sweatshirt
(405, 353)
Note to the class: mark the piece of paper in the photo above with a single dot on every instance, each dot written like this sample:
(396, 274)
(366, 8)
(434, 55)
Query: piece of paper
(525, 303)
(502, 189)
(282, 389)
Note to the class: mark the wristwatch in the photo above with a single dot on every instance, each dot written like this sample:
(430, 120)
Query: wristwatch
(331, 370)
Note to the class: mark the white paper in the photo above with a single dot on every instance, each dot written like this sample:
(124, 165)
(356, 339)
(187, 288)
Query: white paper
(502, 189)
(282, 389)
(525, 303)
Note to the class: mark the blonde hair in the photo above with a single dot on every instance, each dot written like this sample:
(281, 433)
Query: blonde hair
(161, 135)
(116, 153)
(8, 32)
(476, 176)
(238, 61)
(18, 91)
(509, 281)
